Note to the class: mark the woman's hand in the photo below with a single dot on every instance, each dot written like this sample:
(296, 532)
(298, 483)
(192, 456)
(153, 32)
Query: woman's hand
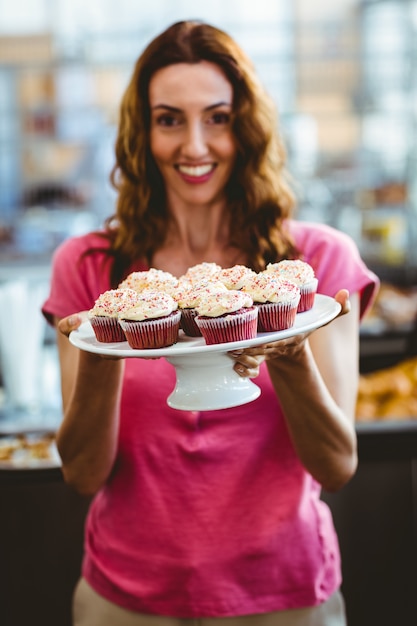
(248, 360)
(342, 297)
(67, 324)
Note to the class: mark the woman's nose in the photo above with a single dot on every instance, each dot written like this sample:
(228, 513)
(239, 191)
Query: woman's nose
(194, 144)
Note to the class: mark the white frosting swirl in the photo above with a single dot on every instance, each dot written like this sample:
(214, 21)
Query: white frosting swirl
(234, 277)
(202, 271)
(295, 270)
(221, 303)
(112, 302)
(150, 305)
(189, 295)
(158, 280)
(266, 287)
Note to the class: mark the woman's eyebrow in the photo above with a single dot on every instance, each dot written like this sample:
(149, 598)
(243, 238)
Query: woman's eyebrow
(218, 104)
(168, 107)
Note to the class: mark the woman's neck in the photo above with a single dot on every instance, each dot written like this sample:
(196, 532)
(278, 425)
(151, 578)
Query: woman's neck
(195, 236)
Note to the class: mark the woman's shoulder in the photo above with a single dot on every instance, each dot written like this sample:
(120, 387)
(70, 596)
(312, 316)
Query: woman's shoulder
(309, 236)
(76, 247)
(336, 260)
(77, 276)
(323, 246)
(80, 244)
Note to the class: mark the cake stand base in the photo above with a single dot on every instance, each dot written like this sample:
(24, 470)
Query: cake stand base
(207, 381)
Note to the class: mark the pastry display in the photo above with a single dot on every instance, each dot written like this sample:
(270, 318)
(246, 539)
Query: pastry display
(28, 450)
(389, 393)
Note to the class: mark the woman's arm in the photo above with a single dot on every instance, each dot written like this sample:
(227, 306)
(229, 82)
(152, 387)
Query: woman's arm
(91, 388)
(316, 380)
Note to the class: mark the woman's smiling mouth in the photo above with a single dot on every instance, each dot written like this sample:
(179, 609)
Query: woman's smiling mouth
(196, 173)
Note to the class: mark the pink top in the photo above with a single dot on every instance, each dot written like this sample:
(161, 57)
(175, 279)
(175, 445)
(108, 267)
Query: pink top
(209, 513)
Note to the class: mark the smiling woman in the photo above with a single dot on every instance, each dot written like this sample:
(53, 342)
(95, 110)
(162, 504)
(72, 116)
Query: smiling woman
(191, 136)
(203, 515)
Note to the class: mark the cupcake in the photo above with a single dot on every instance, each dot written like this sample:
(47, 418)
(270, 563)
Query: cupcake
(227, 316)
(103, 315)
(188, 295)
(300, 273)
(152, 322)
(235, 277)
(201, 272)
(277, 301)
(154, 279)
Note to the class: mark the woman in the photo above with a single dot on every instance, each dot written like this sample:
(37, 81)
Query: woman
(207, 517)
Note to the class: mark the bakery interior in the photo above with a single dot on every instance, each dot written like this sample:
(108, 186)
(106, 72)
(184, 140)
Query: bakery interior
(344, 77)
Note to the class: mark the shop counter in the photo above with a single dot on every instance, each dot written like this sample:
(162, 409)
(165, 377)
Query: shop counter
(375, 515)
(41, 539)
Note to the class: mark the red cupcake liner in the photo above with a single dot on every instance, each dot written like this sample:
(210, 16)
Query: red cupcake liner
(232, 327)
(107, 329)
(307, 296)
(274, 316)
(154, 333)
(188, 323)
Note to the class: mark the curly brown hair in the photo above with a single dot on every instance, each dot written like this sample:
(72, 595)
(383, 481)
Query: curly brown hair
(258, 192)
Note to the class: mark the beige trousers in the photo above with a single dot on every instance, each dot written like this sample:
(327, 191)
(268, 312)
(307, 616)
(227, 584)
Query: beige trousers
(90, 609)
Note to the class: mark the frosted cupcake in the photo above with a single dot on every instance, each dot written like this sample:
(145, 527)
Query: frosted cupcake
(235, 277)
(277, 301)
(103, 315)
(300, 273)
(202, 272)
(188, 295)
(227, 316)
(154, 279)
(153, 321)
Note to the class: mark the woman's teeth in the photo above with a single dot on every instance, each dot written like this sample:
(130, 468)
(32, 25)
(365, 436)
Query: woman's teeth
(198, 170)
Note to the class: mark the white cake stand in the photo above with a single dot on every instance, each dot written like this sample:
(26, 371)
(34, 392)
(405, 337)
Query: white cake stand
(205, 378)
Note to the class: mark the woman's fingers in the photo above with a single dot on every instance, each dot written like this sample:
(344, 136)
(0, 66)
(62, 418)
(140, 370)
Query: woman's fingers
(67, 324)
(342, 297)
(248, 360)
(247, 365)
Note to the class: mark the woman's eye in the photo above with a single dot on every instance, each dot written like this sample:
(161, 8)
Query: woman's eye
(220, 118)
(166, 120)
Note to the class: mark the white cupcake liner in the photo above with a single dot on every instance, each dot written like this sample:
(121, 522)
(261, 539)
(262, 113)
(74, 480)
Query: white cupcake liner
(233, 327)
(154, 333)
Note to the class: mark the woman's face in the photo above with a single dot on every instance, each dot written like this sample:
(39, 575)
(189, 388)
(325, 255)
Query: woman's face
(191, 137)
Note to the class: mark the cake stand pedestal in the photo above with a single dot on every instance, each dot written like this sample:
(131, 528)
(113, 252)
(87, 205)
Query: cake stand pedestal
(209, 382)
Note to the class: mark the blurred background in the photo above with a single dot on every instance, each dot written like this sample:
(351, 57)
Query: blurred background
(344, 78)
